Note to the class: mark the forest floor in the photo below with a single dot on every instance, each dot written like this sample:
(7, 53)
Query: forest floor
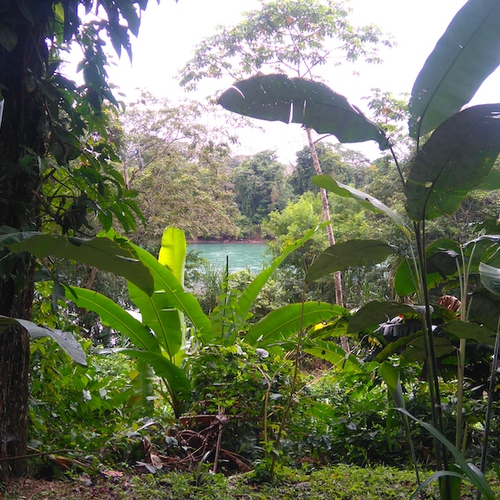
(340, 482)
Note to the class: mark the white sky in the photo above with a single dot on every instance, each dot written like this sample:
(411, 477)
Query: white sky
(170, 31)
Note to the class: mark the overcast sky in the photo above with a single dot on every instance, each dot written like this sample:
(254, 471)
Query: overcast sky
(170, 31)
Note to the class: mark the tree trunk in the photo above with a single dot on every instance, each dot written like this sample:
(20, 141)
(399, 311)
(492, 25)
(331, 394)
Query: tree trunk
(23, 139)
(337, 277)
(14, 360)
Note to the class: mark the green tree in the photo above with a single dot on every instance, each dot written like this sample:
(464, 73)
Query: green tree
(349, 167)
(171, 150)
(261, 185)
(291, 37)
(458, 156)
(48, 124)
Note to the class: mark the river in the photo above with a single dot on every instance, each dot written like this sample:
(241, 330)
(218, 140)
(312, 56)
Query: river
(241, 255)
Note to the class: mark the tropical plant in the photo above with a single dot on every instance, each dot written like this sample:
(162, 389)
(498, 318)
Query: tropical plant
(293, 38)
(56, 162)
(456, 158)
(156, 288)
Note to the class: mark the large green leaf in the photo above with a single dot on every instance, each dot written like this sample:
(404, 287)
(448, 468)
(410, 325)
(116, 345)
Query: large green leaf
(442, 257)
(65, 339)
(279, 324)
(486, 249)
(490, 277)
(115, 256)
(297, 100)
(472, 473)
(174, 295)
(348, 254)
(416, 349)
(173, 252)
(178, 384)
(465, 55)
(332, 352)
(248, 297)
(114, 316)
(390, 375)
(441, 262)
(457, 157)
(365, 200)
(374, 313)
(470, 331)
(484, 308)
(158, 314)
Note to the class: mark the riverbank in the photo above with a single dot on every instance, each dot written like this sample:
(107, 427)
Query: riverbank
(242, 242)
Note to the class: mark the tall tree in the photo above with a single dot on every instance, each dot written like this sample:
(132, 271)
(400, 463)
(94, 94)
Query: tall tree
(182, 155)
(349, 167)
(261, 185)
(49, 124)
(292, 37)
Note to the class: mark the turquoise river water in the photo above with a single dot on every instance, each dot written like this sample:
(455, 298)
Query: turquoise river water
(241, 255)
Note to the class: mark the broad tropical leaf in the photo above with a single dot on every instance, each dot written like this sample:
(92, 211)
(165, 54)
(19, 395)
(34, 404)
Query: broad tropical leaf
(390, 374)
(416, 349)
(332, 352)
(297, 100)
(463, 58)
(279, 324)
(65, 339)
(158, 314)
(375, 313)
(178, 384)
(173, 252)
(113, 255)
(470, 331)
(491, 182)
(472, 473)
(458, 156)
(250, 294)
(114, 316)
(348, 254)
(175, 296)
(365, 200)
(490, 277)
(485, 308)
(441, 263)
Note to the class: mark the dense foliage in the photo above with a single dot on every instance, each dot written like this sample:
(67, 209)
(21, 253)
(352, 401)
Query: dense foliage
(241, 372)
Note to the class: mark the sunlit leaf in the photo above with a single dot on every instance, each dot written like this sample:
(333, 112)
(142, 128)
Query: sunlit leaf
(158, 314)
(285, 321)
(332, 352)
(165, 282)
(173, 252)
(490, 277)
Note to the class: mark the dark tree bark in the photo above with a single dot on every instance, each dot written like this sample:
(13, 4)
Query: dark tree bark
(23, 138)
